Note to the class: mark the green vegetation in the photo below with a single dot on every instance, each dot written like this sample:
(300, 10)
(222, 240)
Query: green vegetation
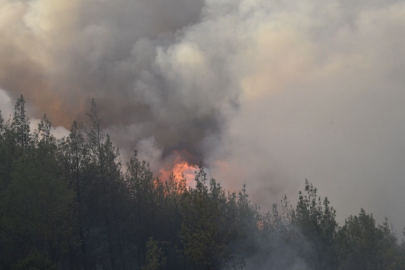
(68, 204)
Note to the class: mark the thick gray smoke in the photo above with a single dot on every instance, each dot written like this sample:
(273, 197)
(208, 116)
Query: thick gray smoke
(60, 54)
(266, 93)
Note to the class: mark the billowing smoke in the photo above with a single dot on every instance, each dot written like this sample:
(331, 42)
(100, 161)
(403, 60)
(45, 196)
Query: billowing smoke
(266, 93)
(61, 54)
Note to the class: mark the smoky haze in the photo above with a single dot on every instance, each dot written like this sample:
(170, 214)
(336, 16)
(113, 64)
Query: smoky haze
(266, 93)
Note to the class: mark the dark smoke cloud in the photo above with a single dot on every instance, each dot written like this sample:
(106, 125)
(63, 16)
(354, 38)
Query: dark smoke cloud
(266, 93)
(62, 54)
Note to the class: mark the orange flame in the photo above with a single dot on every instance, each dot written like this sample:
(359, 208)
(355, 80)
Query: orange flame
(179, 169)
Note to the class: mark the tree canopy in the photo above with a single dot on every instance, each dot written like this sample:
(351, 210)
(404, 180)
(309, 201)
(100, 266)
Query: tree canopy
(69, 204)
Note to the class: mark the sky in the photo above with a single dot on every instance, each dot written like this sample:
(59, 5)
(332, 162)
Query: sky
(263, 93)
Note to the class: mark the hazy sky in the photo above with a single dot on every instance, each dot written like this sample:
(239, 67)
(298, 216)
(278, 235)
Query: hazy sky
(266, 93)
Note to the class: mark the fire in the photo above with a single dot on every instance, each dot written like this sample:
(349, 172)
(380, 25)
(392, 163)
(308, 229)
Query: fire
(179, 168)
(184, 169)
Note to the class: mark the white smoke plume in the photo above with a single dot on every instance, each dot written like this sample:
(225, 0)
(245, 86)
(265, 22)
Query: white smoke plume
(266, 93)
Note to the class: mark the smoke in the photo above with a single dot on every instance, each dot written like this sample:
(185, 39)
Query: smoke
(5, 105)
(266, 93)
(275, 253)
(62, 54)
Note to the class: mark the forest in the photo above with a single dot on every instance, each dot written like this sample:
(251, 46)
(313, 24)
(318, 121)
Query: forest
(71, 204)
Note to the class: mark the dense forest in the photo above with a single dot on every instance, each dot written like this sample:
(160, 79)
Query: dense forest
(70, 204)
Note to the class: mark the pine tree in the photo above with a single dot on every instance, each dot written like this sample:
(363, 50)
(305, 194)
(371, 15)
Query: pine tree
(74, 158)
(37, 202)
(155, 258)
(318, 225)
(21, 125)
(105, 161)
(205, 233)
(139, 180)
